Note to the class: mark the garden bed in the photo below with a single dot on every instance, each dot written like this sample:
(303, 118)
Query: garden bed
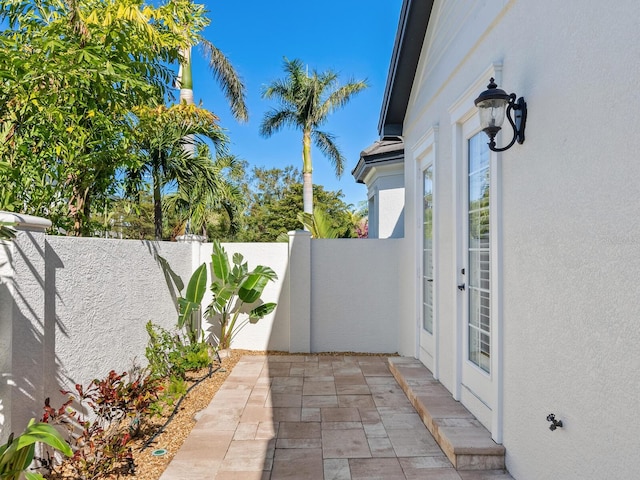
(150, 467)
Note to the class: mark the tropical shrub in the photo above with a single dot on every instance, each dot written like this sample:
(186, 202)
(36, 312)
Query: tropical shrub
(169, 356)
(102, 438)
(190, 315)
(17, 454)
(233, 288)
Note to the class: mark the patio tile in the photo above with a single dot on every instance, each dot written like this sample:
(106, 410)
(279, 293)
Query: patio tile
(333, 414)
(299, 443)
(286, 389)
(402, 421)
(313, 371)
(299, 430)
(375, 370)
(345, 369)
(352, 389)
(311, 414)
(286, 414)
(256, 414)
(267, 430)
(286, 381)
(357, 379)
(415, 468)
(248, 456)
(341, 425)
(314, 417)
(379, 389)
(374, 429)
(246, 431)
(391, 400)
(376, 469)
(413, 443)
(369, 414)
(336, 469)
(272, 359)
(285, 400)
(381, 447)
(264, 475)
(319, 401)
(318, 387)
(297, 370)
(390, 410)
(381, 381)
(485, 475)
(345, 444)
(358, 401)
(295, 464)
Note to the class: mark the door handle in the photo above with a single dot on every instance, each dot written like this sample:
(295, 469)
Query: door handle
(461, 287)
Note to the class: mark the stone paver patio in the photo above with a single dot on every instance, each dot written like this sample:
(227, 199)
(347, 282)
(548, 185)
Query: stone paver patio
(313, 417)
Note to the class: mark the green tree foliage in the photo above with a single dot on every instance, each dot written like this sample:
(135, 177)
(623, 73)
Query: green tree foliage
(161, 137)
(275, 200)
(71, 71)
(199, 206)
(71, 74)
(305, 102)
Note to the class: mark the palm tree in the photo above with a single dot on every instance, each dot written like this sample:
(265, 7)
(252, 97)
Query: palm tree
(223, 72)
(162, 134)
(305, 104)
(196, 203)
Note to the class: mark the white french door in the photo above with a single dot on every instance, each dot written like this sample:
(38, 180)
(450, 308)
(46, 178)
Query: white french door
(427, 276)
(476, 276)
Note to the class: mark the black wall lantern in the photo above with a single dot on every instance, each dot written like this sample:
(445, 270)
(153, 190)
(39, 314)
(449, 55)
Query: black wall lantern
(491, 105)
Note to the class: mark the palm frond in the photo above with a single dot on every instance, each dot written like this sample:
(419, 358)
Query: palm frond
(227, 78)
(275, 120)
(326, 143)
(340, 97)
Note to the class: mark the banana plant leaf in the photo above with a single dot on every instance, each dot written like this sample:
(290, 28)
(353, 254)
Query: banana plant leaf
(220, 262)
(261, 311)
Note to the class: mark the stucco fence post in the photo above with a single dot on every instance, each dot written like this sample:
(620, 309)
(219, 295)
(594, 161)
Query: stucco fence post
(23, 332)
(300, 291)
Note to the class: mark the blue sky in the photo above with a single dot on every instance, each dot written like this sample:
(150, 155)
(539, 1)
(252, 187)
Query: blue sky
(352, 37)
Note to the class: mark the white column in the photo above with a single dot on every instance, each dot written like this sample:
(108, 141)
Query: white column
(300, 291)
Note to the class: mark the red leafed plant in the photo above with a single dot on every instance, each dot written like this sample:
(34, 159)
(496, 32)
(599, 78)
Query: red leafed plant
(102, 437)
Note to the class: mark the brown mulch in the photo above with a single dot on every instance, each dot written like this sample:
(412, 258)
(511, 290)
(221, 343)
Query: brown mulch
(149, 467)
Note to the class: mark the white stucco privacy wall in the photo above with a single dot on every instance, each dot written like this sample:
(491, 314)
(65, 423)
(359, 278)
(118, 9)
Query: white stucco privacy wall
(569, 237)
(355, 295)
(271, 332)
(75, 308)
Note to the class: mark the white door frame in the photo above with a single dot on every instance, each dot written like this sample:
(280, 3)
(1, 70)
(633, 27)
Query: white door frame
(427, 348)
(464, 124)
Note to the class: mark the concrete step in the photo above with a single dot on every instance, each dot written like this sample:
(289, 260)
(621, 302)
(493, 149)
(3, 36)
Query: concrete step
(463, 439)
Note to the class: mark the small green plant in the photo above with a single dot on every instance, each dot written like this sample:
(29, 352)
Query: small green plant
(234, 288)
(190, 315)
(169, 356)
(17, 454)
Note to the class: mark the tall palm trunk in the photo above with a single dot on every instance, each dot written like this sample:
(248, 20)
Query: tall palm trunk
(185, 80)
(307, 169)
(157, 204)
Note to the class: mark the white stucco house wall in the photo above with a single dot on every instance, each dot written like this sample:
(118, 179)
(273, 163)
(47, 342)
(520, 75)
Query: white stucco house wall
(381, 168)
(519, 269)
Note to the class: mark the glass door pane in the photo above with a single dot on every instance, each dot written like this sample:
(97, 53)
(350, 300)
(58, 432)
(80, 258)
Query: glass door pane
(427, 249)
(479, 259)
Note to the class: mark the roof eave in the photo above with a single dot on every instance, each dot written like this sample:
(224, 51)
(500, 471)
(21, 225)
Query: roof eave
(412, 27)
